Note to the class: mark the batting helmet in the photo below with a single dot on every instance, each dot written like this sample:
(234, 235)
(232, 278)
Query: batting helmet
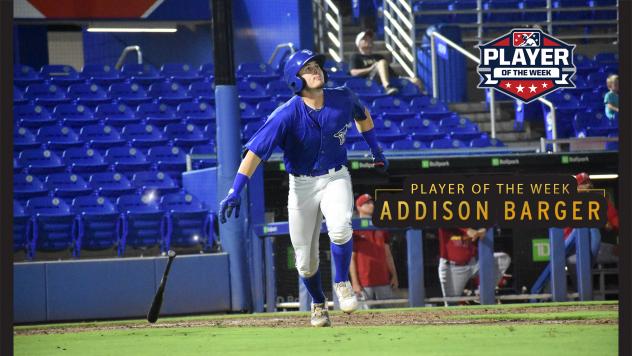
(294, 65)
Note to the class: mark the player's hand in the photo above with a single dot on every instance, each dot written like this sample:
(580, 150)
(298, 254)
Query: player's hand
(232, 201)
(380, 163)
(357, 289)
(394, 282)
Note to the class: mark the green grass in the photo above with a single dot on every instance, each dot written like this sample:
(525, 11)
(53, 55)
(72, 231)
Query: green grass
(575, 315)
(472, 340)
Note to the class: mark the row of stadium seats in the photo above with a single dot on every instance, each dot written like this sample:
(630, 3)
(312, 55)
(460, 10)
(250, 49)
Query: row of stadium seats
(589, 13)
(131, 221)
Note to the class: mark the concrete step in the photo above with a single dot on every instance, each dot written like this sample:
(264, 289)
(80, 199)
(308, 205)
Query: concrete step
(503, 126)
(514, 136)
(529, 143)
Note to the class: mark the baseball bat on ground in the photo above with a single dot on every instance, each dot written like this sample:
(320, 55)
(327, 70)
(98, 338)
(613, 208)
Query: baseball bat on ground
(152, 316)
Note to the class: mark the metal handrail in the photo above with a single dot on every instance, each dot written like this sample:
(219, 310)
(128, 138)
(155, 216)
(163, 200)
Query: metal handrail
(327, 17)
(492, 104)
(501, 11)
(280, 46)
(399, 33)
(127, 50)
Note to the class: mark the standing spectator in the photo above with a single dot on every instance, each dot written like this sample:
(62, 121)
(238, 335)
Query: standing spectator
(366, 64)
(373, 273)
(611, 99)
(458, 259)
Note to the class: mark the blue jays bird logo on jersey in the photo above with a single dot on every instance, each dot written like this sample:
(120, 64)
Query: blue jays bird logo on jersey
(526, 64)
(342, 134)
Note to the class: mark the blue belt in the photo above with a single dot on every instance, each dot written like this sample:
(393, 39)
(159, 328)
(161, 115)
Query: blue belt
(320, 172)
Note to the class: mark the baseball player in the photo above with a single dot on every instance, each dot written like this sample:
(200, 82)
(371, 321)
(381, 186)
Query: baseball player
(311, 128)
(458, 259)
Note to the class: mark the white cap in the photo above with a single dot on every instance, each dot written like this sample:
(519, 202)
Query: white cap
(361, 35)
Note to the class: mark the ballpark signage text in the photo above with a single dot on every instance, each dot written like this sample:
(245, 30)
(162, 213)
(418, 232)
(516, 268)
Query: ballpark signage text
(526, 64)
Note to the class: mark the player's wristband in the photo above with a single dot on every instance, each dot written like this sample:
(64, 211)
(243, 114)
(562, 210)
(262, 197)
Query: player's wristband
(371, 139)
(239, 183)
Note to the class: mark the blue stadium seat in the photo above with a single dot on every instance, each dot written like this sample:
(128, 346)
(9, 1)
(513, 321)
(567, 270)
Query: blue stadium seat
(111, 184)
(251, 92)
(387, 132)
(143, 135)
(97, 223)
(501, 17)
(18, 96)
(181, 73)
(51, 224)
(279, 90)
(207, 70)
(202, 91)
(393, 107)
(453, 121)
(127, 159)
(58, 138)
(465, 132)
(185, 135)
(154, 181)
(248, 113)
(463, 5)
(187, 221)
(20, 223)
(60, 74)
(32, 116)
(88, 94)
(81, 160)
(584, 65)
(40, 161)
(47, 95)
(67, 185)
(607, 58)
(365, 89)
(360, 146)
(23, 139)
(480, 142)
(117, 115)
(603, 14)
(254, 68)
(592, 101)
(582, 86)
(445, 143)
(407, 90)
(531, 17)
(200, 114)
(169, 93)
(266, 108)
(210, 131)
(26, 186)
(73, 115)
(249, 130)
(157, 114)
(585, 120)
(597, 79)
(167, 158)
(566, 106)
(142, 222)
(129, 93)
(417, 104)
(102, 74)
(200, 163)
(144, 74)
(353, 135)
(24, 75)
(435, 112)
(432, 5)
(570, 15)
(422, 130)
(101, 136)
(408, 145)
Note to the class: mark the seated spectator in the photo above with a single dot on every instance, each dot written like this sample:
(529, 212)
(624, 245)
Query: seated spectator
(372, 269)
(366, 64)
(611, 99)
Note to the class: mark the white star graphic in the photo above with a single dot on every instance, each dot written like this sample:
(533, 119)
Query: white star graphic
(532, 88)
(544, 85)
(508, 85)
(519, 87)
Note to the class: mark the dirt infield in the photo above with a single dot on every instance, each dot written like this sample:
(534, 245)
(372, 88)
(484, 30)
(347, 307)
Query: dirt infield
(592, 313)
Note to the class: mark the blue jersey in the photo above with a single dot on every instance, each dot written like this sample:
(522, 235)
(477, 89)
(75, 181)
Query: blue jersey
(312, 140)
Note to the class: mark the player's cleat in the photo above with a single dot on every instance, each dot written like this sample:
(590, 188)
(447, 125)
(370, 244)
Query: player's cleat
(346, 297)
(320, 315)
(390, 90)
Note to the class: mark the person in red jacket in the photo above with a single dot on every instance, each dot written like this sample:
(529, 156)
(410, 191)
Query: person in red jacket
(373, 273)
(458, 262)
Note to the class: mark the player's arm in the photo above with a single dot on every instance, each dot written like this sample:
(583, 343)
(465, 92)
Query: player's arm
(612, 107)
(233, 201)
(365, 126)
(391, 266)
(353, 272)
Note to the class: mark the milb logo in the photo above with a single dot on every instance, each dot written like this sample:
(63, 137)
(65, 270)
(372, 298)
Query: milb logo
(526, 64)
